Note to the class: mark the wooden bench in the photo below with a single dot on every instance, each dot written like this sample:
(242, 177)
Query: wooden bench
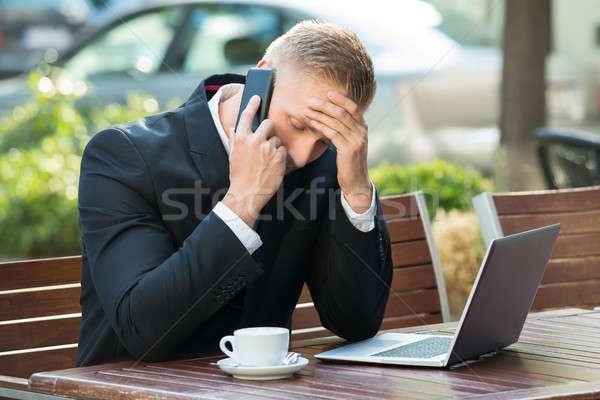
(418, 294)
(40, 312)
(39, 317)
(572, 277)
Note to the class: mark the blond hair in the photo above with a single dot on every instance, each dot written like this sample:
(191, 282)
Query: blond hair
(328, 51)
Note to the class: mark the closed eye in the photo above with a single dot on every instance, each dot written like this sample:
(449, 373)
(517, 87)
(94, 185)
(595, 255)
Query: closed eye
(296, 124)
(301, 127)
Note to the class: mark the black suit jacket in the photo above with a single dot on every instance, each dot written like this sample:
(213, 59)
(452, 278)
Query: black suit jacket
(164, 277)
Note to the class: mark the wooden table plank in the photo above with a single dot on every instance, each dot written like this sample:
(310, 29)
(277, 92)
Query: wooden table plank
(104, 385)
(585, 390)
(561, 326)
(203, 372)
(554, 360)
(560, 343)
(210, 380)
(459, 379)
(580, 321)
(557, 356)
(333, 382)
(395, 383)
(592, 314)
(562, 355)
(562, 335)
(518, 369)
(581, 333)
(541, 369)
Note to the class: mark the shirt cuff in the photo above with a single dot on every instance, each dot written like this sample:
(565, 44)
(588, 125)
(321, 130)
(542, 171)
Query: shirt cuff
(247, 236)
(364, 222)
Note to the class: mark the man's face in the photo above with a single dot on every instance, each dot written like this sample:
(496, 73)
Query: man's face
(290, 97)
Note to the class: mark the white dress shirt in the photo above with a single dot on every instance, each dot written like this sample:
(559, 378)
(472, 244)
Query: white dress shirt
(364, 222)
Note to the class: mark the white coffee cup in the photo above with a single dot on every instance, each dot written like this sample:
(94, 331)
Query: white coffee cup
(257, 347)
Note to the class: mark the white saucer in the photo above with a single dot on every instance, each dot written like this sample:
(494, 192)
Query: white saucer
(229, 366)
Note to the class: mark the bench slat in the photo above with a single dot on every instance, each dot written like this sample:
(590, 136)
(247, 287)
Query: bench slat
(422, 301)
(399, 206)
(304, 295)
(576, 245)
(45, 333)
(573, 222)
(572, 269)
(306, 317)
(35, 273)
(410, 253)
(39, 303)
(317, 333)
(406, 229)
(548, 201)
(583, 294)
(25, 364)
(410, 278)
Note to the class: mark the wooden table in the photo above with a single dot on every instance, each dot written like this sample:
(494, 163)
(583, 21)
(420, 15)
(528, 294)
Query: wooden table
(557, 356)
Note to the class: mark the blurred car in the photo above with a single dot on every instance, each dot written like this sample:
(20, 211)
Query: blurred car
(29, 28)
(434, 97)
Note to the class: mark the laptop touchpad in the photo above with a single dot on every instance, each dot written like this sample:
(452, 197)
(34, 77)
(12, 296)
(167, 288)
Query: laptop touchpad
(365, 347)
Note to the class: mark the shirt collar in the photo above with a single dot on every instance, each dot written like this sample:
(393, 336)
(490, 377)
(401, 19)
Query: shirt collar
(213, 106)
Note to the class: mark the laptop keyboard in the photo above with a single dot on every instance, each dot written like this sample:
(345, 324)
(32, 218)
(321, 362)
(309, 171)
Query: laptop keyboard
(426, 348)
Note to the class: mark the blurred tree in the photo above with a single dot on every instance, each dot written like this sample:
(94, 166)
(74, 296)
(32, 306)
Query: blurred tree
(448, 186)
(523, 104)
(41, 144)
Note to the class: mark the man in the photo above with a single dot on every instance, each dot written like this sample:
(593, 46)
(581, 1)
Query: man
(191, 230)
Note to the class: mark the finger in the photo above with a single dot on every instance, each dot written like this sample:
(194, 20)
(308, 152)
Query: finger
(346, 103)
(334, 111)
(282, 152)
(245, 123)
(280, 158)
(265, 130)
(275, 141)
(335, 138)
(331, 122)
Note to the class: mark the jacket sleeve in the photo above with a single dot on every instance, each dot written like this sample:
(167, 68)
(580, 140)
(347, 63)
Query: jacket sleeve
(351, 275)
(153, 293)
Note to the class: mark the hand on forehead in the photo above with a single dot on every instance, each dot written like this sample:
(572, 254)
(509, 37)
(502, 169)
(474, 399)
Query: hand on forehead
(299, 94)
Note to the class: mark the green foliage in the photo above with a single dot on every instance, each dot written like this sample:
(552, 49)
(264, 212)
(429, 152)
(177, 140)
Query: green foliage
(445, 185)
(41, 144)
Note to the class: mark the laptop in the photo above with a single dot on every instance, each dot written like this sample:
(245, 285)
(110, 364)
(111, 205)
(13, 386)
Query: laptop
(492, 318)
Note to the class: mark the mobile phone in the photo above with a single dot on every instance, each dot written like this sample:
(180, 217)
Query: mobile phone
(259, 81)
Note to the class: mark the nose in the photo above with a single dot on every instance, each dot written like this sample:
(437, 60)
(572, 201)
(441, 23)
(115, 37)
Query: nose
(302, 153)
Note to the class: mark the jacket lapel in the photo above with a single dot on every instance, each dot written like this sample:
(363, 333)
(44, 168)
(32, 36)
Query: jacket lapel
(205, 145)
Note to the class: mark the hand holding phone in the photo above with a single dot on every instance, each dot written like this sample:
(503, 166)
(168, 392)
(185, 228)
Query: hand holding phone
(257, 162)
